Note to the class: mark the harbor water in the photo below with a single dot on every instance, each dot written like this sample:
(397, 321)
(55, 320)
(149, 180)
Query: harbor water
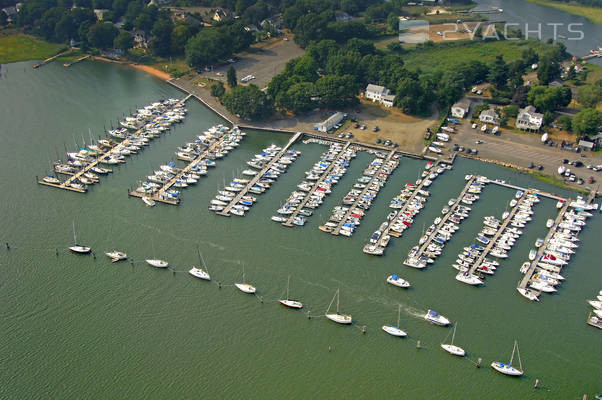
(82, 327)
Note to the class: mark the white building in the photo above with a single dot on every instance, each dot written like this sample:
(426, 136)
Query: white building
(528, 119)
(330, 122)
(489, 117)
(461, 108)
(379, 94)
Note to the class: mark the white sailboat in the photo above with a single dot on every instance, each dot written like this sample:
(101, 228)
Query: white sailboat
(395, 330)
(76, 248)
(244, 286)
(453, 349)
(116, 255)
(508, 369)
(199, 272)
(287, 301)
(339, 318)
(156, 262)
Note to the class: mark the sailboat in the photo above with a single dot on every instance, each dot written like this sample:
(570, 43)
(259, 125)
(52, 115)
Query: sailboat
(288, 302)
(395, 330)
(116, 255)
(244, 286)
(199, 272)
(157, 263)
(76, 248)
(339, 318)
(453, 349)
(508, 369)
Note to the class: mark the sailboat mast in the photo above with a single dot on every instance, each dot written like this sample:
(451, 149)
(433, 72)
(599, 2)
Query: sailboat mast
(288, 282)
(243, 273)
(398, 315)
(337, 301)
(74, 237)
(518, 354)
(454, 334)
(513, 349)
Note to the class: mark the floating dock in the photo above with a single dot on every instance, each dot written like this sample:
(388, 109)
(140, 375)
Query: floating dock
(525, 281)
(445, 218)
(226, 211)
(334, 163)
(337, 230)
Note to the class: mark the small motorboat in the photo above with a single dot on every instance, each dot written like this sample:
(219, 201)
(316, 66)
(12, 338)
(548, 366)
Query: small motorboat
(532, 254)
(398, 281)
(116, 255)
(148, 201)
(435, 318)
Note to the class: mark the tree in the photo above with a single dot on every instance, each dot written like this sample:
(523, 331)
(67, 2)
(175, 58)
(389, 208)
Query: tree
(565, 122)
(248, 102)
(547, 71)
(102, 35)
(498, 72)
(3, 19)
(587, 122)
(124, 41)
(179, 36)
(511, 111)
(529, 56)
(65, 29)
(218, 89)
(298, 98)
(413, 96)
(337, 91)
(589, 96)
(571, 74)
(161, 42)
(231, 77)
(208, 47)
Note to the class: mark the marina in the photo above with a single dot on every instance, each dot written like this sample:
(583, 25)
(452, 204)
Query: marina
(346, 218)
(431, 244)
(244, 191)
(214, 144)
(83, 166)
(326, 173)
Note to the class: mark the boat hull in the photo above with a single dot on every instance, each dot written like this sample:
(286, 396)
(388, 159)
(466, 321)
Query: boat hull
(157, 263)
(199, 273)
(80, 249)
(342, 319)
(246, 288)
(455, 350)
(291, 304)
(394, 331)
(506, 369)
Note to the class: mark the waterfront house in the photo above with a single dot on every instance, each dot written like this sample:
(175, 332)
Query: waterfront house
(379, 94)
(489, 117)
(586, 145)
(140, 38)
(461, 108)
(220, 15)
(528, 119)
(330, 123)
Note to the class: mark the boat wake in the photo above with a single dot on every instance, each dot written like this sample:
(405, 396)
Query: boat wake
(415, 312)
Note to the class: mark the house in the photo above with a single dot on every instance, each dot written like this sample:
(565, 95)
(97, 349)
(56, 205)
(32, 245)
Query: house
(100, 12)
(489, 117)
(330, 122)
(11, 13)
(461, 108)
(379, 94)
(528, 119)
(586, 145)
(140, 38)
(220, 15)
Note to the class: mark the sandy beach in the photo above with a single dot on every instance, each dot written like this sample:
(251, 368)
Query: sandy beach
(153, 71)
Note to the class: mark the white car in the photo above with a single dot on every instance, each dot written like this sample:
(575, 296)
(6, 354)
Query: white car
(474, 126)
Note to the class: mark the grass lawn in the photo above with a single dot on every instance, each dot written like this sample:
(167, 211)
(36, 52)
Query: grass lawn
(18, 47)
(594, 14)
(453, 53)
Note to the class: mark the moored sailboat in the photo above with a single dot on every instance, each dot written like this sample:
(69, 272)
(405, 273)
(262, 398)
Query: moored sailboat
(287, 302)
(395, 330)
(508, 369)
(344, 319)
(452, 348)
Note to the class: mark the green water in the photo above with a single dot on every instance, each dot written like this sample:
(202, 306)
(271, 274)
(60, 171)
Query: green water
(74, 327)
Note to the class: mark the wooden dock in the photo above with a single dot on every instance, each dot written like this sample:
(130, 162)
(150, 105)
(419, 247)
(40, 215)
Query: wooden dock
(351, 209)
(525, 281)
(497, 235)
(226, 211)
(531, 190)
(404, 208)
(66, 185)
(68, 64)
(334, 163)
(161, 195)
(445, 218)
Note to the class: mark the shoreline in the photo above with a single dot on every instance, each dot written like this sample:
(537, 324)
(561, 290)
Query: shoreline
(592, 14)
(164, 76)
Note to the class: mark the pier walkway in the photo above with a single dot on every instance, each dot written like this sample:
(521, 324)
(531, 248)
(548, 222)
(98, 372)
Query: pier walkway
(445, 218)
(226, 211)
(525, 281)
(161, 195)
(534, 191)
(368, 187)
(334, 163)
(497, 235)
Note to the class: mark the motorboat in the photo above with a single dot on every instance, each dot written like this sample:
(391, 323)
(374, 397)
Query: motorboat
(395, 280)
(148, 201)
(549, 223)
(157, 263)
(469, 279)
(116, 255)
(532, 254)
(51, 179)
(435, 318)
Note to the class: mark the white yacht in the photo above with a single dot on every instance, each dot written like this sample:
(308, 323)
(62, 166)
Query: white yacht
(344, 319)
(452, 348)
(148, 201)
(287, 302)
(199, 272)
(76, 248)
(532, 254)
(468, 278)
(244, 286)
(508, 369)
(435, 318)
(395, 280)
(529, 294)
(157, 263)
(395, 330)
(116, 255)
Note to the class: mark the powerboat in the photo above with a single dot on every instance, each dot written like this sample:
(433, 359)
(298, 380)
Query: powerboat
(469, 279)
(398, 281)
(435, 318)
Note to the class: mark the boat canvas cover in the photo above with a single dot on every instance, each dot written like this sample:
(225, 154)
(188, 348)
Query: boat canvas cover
(433, 313)
(395, 277)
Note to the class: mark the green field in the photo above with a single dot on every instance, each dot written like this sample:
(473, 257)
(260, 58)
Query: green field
(19, 47)
(594, 14)
(453, 53)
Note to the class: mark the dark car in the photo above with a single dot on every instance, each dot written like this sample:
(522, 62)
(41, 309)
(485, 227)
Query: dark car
(577, 163)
